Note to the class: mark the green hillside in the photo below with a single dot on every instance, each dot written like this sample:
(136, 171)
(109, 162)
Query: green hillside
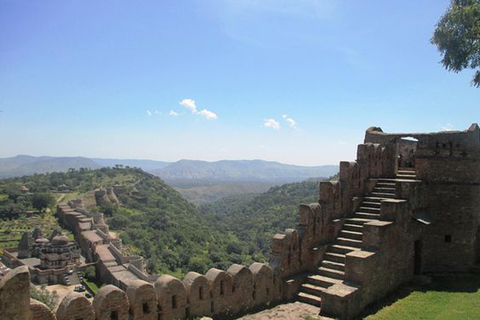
(254, 220)
(153, 220)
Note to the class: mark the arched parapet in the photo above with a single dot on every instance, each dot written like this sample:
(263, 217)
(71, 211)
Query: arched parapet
(221, 284)
(143, 300)
(242, 288)
(75, 306)
(263, 286)
(171, 297)
(198, 292)
(40, 311)
(15, 294)
(111, 303)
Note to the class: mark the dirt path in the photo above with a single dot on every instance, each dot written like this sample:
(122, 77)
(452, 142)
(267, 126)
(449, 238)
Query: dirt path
(289, 311)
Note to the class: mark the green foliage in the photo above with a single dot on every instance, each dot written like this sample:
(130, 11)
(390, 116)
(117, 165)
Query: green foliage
(41, 201)
(41, 294)
(91, 286)
(250, 222)
(457, 37)
(174, 236)
(90, 274)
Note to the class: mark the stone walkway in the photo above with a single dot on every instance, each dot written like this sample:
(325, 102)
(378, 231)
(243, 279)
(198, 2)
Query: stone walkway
(289, 311)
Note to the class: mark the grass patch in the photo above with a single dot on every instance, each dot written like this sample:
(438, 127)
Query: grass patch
(92, 286)
(452, 297)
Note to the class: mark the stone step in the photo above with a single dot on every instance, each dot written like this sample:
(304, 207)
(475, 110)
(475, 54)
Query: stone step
(406, 176)
(358, 220)
(406, 171)
(353, 227)
(336, 257)
(375, 199)
(366, 215)
(336, 248)
(331, 273)
(351, 234)
(386, 184)
(371, 209)
(312, 289)
(371, 204)
(349, 242)
(383, 195)
(384, 189)
(399, 180)
(322, 281)
(309, 299)
(333, 265)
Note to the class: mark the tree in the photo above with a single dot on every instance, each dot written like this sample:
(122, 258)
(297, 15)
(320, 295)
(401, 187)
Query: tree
(90, 273)
(41, 294)
(41, 201)
(457, 37)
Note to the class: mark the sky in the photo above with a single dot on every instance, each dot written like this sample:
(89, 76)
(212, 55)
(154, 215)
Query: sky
(293, 81)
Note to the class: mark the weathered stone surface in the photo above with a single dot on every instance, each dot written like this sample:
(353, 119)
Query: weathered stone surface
(15, 295)
(143, 300)
(40, 311)
(75, 306)
(111, 303)
(171, 297)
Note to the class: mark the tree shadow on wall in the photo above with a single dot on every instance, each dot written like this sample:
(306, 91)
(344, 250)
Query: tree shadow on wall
(448, 282)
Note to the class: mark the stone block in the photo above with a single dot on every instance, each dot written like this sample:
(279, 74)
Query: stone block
(374, 233)
(359, 265)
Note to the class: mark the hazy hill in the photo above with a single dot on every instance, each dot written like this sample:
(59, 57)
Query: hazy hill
(23, 165)
(145, 165)
(241, 170)
(202, 191)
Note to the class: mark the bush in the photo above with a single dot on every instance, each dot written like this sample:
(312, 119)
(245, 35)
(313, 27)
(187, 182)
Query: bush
(90, 273)
(43, 295)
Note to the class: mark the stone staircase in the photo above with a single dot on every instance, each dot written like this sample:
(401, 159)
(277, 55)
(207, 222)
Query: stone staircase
(332, 268)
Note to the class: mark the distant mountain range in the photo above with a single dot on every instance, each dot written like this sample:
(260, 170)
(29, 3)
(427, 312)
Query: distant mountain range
(241, 170)
(183, 170)
(23, 165)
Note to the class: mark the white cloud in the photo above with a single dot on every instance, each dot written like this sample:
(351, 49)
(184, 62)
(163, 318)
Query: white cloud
(189, 104)
(208, 114)
(342, 142)
(192, 106)
(271, 123)
(448, 127)
(292, 123)
(158, 112)
(173, 113)
(149, 113)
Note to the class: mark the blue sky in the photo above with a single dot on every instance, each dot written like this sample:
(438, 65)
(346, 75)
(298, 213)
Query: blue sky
(295, 81)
